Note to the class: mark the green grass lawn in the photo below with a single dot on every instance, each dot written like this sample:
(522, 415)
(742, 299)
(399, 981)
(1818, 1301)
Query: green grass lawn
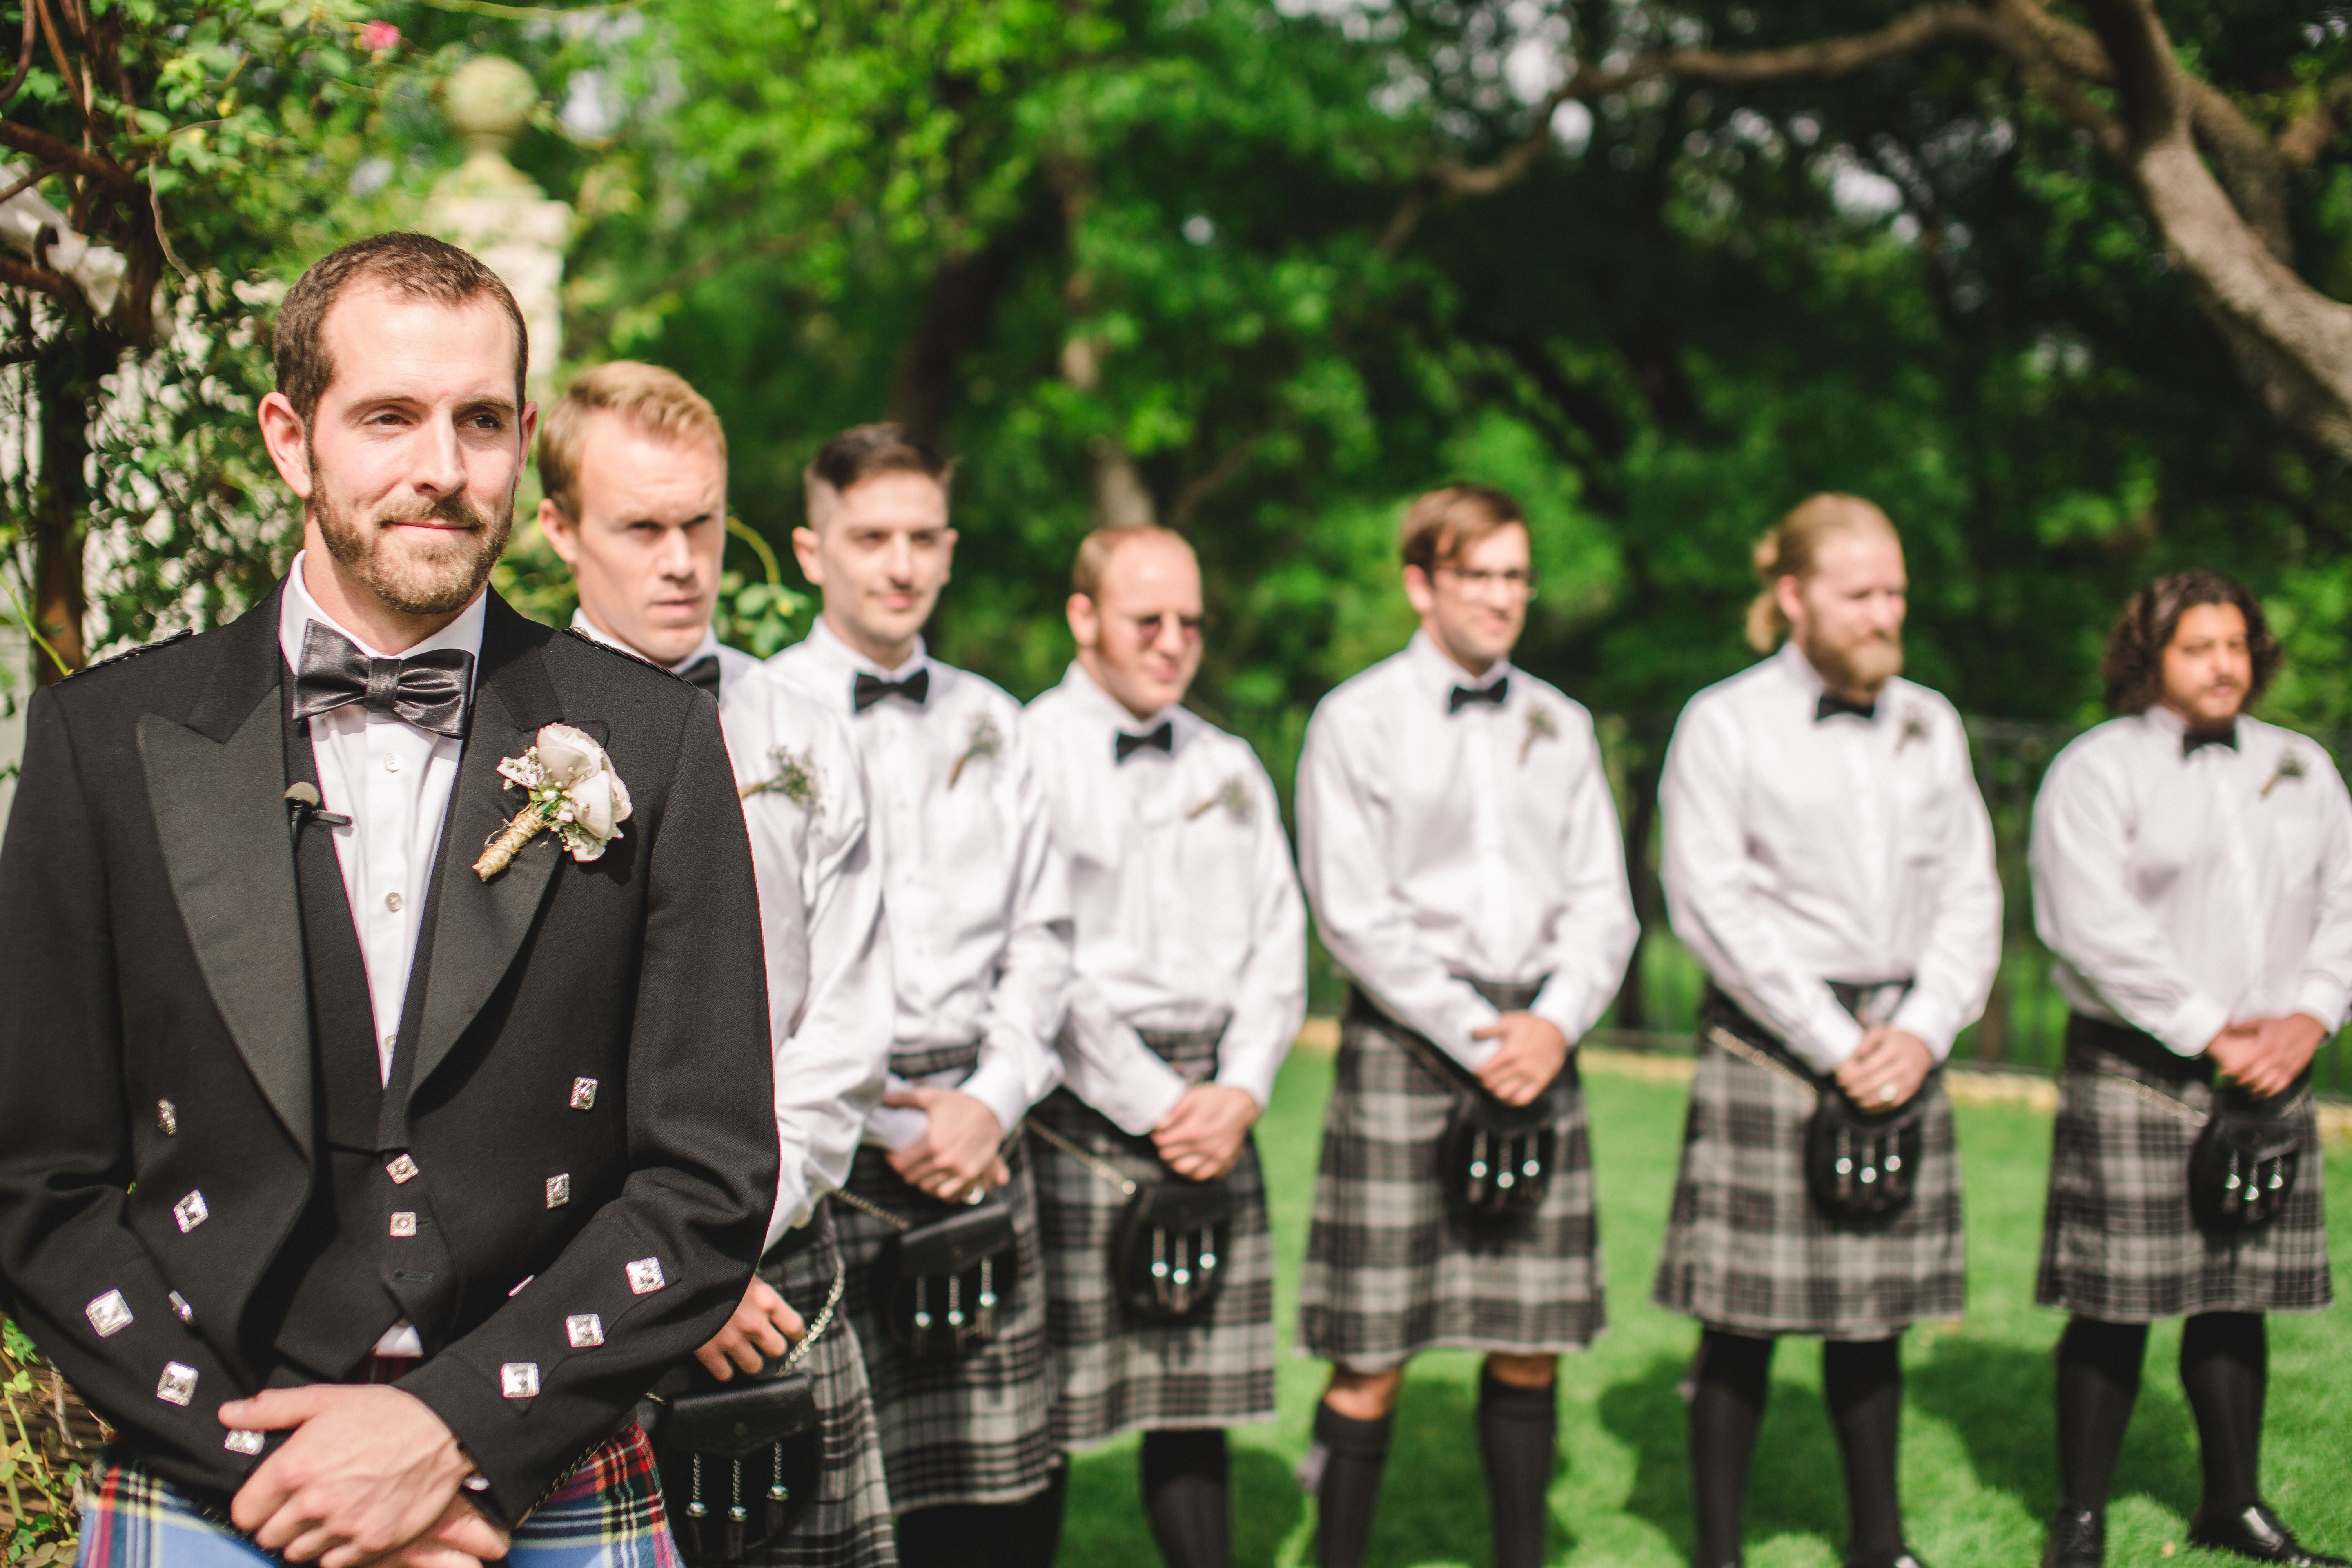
(1980, 1475)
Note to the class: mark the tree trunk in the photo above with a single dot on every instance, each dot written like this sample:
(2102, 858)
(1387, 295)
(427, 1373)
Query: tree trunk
(65, 374)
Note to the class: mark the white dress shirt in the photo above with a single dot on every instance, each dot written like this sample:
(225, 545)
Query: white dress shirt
(828, 955)
(1441, 846)
(1187, 914)
(2185, 893)
(977, 897)
(392, 779)
(1801, 850)
(733, 663)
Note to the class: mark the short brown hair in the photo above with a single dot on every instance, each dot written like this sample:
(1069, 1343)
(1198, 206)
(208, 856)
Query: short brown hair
(2133, 667)
(1096, 550)
(864, 450)
(415, 265)
(1439, 526)
(1791, 548)
(658, 402)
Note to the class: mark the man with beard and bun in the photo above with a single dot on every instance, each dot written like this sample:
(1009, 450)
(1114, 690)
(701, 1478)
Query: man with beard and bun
(391, 1169)
(1829, 862)
(633, 464)
(1190, 984)
(979, 933)
(1463, 856)
(2192, 870)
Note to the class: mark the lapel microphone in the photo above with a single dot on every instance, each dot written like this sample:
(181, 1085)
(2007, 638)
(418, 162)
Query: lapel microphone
(302, 805)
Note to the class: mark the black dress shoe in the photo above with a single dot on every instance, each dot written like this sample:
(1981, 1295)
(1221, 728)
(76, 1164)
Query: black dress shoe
(2257, 1532)
(2078, 1539)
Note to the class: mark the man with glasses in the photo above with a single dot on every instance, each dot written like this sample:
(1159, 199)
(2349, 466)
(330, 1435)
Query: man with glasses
(1462, 852)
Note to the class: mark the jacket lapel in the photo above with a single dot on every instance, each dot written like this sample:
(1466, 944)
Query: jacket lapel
(217, 786)
(479, 927)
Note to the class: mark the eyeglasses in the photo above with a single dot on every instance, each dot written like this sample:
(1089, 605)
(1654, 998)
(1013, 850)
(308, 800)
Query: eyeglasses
(1517, 583)
(1149, 628)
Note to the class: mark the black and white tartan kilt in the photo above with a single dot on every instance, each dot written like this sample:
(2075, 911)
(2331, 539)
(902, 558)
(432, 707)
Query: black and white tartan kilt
(2118, 1241)
(955, 1428)
(1748, 1251)
(1111, 1376)
(1391, 1271)
(848, 1525)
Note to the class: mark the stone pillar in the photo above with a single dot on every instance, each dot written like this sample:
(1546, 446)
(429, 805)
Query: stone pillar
(491, 208)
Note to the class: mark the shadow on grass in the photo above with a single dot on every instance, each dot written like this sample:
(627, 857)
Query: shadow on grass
(1105, 1523)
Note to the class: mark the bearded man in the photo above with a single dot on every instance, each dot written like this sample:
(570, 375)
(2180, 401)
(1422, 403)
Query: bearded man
(1829, 860)
(391, 1169)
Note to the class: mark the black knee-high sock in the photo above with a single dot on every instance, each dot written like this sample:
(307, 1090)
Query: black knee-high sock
(953, 1535)
(1729, 1382)
(1518, 1438)
(2099, 1381)
(2225, 1368)
(1354, 1454)
(1025, 1534)
(1864, 1385)
(1187, 1498)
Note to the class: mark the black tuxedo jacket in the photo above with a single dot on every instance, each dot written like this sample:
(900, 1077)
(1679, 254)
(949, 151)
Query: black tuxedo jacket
(153, 953)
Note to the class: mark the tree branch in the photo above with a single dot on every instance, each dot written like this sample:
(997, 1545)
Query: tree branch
(40, 281)
(67, 157)
(2302, 143)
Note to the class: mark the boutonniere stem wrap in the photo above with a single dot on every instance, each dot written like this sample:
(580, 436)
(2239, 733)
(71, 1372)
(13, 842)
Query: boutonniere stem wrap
(2290, 766)
(1541, 726)
(985, 742)
(572, 792)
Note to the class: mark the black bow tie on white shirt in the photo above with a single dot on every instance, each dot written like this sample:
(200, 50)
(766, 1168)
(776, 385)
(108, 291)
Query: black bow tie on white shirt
(2193, 738)
(429, 690)
(1462, 696)
(867, 690)
(1161, 739)
(1832, 705)
(703, 673)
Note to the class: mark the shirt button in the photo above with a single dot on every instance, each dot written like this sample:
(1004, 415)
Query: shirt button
(392, 902)
(391, 762)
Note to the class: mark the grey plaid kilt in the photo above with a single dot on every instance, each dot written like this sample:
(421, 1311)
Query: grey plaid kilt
(2118, 1241)
(1389, 1270)
(1110, 1376)
(1747, 1250)
(848, 1525)
(955, 1428)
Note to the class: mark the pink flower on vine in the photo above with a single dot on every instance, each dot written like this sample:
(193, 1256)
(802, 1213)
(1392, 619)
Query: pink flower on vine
(377, 37)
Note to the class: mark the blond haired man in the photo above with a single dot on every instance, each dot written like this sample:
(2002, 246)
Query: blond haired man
(1462, 852)
(633, 463)
(1829, 862)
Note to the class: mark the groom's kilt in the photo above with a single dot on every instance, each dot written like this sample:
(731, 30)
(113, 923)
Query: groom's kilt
(1110, 1375)
(1390, 1270)
(1746, 1248)
(955, 1428)
(2118, 1241)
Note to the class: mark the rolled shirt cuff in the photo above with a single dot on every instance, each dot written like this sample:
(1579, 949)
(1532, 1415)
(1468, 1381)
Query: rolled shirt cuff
(1829, 1037)
(1144, 1101)
(2324, 999)
(2194, 1025)
(1926, 1021)
(997, 1085)
(1553, 1007)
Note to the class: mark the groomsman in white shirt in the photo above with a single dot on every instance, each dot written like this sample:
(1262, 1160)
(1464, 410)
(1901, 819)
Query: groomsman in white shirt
(1190, 984)
(979, 909)
(633, 464)
(1829, 860)
(2192, 870)
(1463, 858)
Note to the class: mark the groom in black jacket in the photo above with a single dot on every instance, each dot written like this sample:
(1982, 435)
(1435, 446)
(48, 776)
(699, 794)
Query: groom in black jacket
(361, 1187)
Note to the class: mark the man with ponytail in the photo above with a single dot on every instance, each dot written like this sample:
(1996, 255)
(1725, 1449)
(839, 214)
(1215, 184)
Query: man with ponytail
(1830, 862)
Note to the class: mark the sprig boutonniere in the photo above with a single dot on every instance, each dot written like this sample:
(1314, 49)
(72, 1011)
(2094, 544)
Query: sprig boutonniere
(1541, 726)
(985, 741)
(1231, 795)
(2290, 766)
(794, 779)
(573, 794)
(1915, 728)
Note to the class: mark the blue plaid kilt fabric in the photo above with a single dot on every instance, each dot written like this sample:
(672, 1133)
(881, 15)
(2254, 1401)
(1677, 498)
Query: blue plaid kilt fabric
(2118, 1240)
(606, 1514)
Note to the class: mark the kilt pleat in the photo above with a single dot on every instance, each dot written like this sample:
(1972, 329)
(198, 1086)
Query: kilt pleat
(1746, 1248)
(1391, 1271)
(2118, 1239)
(1111, 1376)
(973, 1428)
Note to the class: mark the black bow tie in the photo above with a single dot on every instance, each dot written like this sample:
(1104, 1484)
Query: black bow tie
(867, 690)
(429, 690)
(1832, 705)
(703, 672)
(1161, 739)
(2193, 738)
(1462, 696)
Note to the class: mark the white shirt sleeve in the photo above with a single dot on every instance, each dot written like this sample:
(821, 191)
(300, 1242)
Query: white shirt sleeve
(1018, 1065)
(1962, 954)
(1270, 992)
(1711, 895)
(1594, 936)
(2324, 989)
(1342, 824)
(1107, 1065)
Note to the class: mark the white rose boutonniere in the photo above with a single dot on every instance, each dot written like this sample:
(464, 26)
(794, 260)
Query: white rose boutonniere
(573, 794)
